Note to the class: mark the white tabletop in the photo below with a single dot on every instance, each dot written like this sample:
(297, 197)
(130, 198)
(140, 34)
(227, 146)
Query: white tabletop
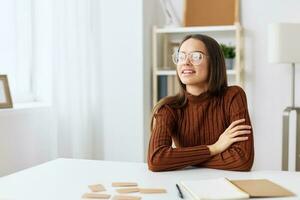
(67, 179)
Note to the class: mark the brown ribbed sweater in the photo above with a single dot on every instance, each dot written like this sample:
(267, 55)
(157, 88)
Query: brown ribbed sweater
(193, 127)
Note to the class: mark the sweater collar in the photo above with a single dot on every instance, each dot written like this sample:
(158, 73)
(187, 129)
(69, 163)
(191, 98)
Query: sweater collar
(196, 98)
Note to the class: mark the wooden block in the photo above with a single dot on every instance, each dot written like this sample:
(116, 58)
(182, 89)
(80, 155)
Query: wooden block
(124, 184)
(126, 197)
(96, 196)
(152, 190)
(97, 188)
(128, 190)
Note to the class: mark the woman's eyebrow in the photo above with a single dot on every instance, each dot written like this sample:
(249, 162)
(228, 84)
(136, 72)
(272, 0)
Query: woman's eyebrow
(198, 51)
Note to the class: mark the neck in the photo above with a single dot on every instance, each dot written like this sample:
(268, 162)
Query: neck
(196, 90)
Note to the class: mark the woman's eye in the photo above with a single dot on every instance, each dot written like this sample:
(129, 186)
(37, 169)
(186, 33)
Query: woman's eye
(181, 57)
(196, 56)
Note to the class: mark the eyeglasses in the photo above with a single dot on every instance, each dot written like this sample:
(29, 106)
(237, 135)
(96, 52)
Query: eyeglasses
(195, 57)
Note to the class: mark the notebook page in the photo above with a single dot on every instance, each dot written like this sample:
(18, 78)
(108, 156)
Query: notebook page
(219, 188)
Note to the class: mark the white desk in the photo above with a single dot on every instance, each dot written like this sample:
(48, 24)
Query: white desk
(67, 179)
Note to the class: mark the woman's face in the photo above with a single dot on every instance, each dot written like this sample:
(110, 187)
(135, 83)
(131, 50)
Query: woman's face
(192, 67)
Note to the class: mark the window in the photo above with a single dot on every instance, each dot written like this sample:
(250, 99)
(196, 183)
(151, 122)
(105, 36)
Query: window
(16, 48)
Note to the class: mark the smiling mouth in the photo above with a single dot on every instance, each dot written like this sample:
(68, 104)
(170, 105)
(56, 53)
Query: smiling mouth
(188, 71)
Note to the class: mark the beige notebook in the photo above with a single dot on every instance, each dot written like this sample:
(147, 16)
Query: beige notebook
(262, 188)
(223, 189)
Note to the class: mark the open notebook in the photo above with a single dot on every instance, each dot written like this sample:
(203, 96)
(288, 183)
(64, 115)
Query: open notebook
(223, 189)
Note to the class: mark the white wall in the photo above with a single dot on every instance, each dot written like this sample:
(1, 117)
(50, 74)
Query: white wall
(27, 138)
(122, 80)
(98, 147)
(149, 20)
(267, 85)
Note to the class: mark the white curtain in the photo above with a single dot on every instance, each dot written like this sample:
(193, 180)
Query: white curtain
(76, 61)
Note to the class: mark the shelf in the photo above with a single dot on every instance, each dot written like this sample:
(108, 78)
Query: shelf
(198, 29)
(165, 72)
(171, 72)
(230, 72)
(34, 105)
(166, 39)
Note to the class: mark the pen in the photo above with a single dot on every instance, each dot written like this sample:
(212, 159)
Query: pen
(179, 191)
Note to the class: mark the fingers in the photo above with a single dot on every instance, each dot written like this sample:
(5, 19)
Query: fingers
(233, 124)
(239, 139)
(238, 133)
(240, 127)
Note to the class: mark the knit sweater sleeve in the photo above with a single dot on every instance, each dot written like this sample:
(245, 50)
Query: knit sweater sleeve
(239, 156)
(161, 155)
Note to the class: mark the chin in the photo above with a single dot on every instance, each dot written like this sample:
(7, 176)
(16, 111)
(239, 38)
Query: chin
(189, 81)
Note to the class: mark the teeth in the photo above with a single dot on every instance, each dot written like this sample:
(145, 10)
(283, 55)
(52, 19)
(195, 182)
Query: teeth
(188, 71)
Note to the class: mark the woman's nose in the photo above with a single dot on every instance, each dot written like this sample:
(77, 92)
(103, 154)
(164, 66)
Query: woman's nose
(187, 61)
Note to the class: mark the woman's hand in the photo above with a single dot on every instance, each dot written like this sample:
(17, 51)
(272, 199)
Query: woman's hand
(234, 133)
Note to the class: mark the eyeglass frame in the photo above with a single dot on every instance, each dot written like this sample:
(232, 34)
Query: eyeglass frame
(188, 55)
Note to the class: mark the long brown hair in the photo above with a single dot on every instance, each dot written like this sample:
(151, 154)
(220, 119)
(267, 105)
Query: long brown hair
(217, 80)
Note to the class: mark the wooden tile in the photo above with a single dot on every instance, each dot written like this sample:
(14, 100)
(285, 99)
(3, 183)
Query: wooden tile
(124, 184)
(128, 190)
(152, 190)
(97, 188)
(96, 196)
(126, 197)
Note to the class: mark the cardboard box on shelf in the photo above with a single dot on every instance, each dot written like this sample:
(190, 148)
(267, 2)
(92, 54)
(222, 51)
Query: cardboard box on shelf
(211, 12)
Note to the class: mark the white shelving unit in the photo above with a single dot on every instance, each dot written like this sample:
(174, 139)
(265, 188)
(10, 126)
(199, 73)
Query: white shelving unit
(165, 41)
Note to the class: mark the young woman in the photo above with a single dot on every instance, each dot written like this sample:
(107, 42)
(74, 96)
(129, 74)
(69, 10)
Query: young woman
(208, 121)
